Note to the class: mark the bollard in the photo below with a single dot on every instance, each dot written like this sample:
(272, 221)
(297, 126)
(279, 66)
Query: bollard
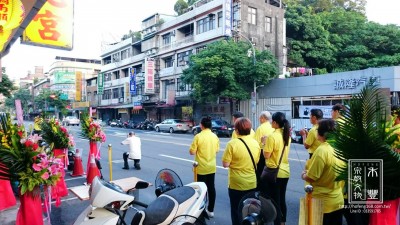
(309, 190)
(195, 164)
(110, 159)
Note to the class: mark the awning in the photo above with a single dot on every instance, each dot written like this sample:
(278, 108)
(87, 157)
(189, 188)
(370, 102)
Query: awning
(115, 106)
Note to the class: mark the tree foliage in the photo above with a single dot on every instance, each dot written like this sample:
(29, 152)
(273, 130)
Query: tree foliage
(6, 85)
(338, 37)
(49, 98)
(136, 35)
(22, 94)
(180, 6)
(224, 69)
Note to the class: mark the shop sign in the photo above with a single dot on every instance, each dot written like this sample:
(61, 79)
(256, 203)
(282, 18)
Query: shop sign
(12, 13)
(228, 18)
(64, 77)
(305, 110)
(52, 26)
(149, 76)
(78, 84)
(122, 110)
(132, 81)
(100, 83)
(80, 105)
(353, 83)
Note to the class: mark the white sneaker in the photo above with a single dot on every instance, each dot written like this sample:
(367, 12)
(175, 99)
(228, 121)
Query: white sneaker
(210, 214)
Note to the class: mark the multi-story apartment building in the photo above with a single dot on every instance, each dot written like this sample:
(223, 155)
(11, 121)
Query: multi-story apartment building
(68, 75)
(163, 53)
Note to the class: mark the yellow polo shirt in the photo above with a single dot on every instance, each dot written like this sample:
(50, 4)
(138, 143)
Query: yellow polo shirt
(322, 171)
(241, 174)
(265, 129)
(205, 146)
(312, 139)
(274, 145)
(235, 135)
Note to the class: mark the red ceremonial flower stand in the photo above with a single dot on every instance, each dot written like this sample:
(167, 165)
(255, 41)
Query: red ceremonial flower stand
(30, 210)
(6, 195)
(60, 189)
(387, 215)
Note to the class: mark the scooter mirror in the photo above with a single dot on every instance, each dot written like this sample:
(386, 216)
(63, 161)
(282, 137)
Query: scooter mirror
(141, 185)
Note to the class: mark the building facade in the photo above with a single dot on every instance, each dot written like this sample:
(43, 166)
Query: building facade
(143, 79)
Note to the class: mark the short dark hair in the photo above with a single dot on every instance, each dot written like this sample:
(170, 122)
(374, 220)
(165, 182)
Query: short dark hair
(243, 126)
(206, 122)
(317, 113)
(395, 110)
(337, 107)
(237, 114)
(325, 126)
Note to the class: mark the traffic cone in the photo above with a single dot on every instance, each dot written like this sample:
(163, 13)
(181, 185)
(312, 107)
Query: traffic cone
(93, 170)
(78, 166)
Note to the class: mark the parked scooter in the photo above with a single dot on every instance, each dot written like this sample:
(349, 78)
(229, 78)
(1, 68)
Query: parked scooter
(182, 205)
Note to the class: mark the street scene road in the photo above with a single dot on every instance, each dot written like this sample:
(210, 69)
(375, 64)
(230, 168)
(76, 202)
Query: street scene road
(165, 150)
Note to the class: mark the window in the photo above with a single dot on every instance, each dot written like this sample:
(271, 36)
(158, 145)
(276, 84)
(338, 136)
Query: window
(235, 15)
(268, 24)
(219, 19)
(199, 49)
(124, 54)
(252, 15)
(106, 94)
(169, 62)
(117, 74)
(183, 58)
(121, 92)
(166, 39)
(180, 86)
(107, 77)
(206, 24)
(115, 93)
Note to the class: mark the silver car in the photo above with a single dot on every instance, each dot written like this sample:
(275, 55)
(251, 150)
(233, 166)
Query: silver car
(172, 125)
(71, 120)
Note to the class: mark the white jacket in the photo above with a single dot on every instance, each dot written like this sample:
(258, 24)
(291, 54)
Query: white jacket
(135, 147)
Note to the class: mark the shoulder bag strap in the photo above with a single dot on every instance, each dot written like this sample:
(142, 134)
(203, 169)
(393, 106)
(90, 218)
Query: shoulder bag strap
(280, 160)
(252, 160)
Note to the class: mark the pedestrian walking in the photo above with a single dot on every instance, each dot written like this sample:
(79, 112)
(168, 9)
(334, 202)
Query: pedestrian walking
(311, 142)
(322, 174)
(135, 151)
(263, 131)
(235, 116)
(205, 147)
(241, 156)
(276, 152)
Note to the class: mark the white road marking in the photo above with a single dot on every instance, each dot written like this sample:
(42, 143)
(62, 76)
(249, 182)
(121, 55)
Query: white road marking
(118, 161)
(186, 160)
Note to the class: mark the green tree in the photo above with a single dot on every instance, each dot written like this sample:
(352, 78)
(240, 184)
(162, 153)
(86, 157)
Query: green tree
(22, 94)
(224, 69)
(49, 98)
(6, 85)
(308, 39)
(180, 6)
(136, 35)
(329, 5)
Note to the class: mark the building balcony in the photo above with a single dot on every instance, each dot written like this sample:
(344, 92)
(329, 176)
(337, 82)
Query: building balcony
(124, 62)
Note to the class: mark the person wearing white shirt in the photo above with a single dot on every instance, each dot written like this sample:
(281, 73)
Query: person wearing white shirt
(135, 151)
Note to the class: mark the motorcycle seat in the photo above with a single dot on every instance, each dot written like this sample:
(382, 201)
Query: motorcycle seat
(164, 206)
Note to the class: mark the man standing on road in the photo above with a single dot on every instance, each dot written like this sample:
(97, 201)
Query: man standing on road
(311, 142)
(236, 116)
(135, 151)
(205, 146)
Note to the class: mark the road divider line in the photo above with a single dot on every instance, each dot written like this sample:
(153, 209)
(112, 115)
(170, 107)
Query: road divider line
(187, 160)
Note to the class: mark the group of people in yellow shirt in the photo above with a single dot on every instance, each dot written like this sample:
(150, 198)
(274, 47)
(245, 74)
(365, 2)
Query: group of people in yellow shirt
(243, 152)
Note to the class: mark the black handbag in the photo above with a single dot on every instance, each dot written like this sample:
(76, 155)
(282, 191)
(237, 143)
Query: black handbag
(270, 174)
(252, 160)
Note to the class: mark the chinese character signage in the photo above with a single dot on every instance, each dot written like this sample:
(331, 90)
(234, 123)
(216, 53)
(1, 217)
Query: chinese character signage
(361, 172)
(305, 110)
(12, 13)
(149, 76)
(353, 83)
(78, 88)
(228, 18)
(52, 26)
(100, 83)
(132, 81)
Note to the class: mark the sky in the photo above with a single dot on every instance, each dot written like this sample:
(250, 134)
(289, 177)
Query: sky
(98, 22)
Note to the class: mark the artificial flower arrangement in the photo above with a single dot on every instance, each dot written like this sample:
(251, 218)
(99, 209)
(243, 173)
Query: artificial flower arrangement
(23, 160)
(56, 135)
(91, 129)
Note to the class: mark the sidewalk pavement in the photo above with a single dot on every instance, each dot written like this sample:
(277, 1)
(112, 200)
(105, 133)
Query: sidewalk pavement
(9, 216)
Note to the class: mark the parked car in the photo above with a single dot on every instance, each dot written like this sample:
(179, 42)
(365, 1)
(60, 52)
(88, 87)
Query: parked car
(218, 127)
(172, 125)
(71, 120)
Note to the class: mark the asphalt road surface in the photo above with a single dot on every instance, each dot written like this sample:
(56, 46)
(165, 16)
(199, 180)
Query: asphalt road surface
(164, 150)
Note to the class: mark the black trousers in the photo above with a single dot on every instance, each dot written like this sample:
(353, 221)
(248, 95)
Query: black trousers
(126, 165)
(333, 218)
(209, 180)
(234, 197)
(277, 191)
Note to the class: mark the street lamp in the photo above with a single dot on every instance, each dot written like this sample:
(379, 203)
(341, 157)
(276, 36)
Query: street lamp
(254, 94)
